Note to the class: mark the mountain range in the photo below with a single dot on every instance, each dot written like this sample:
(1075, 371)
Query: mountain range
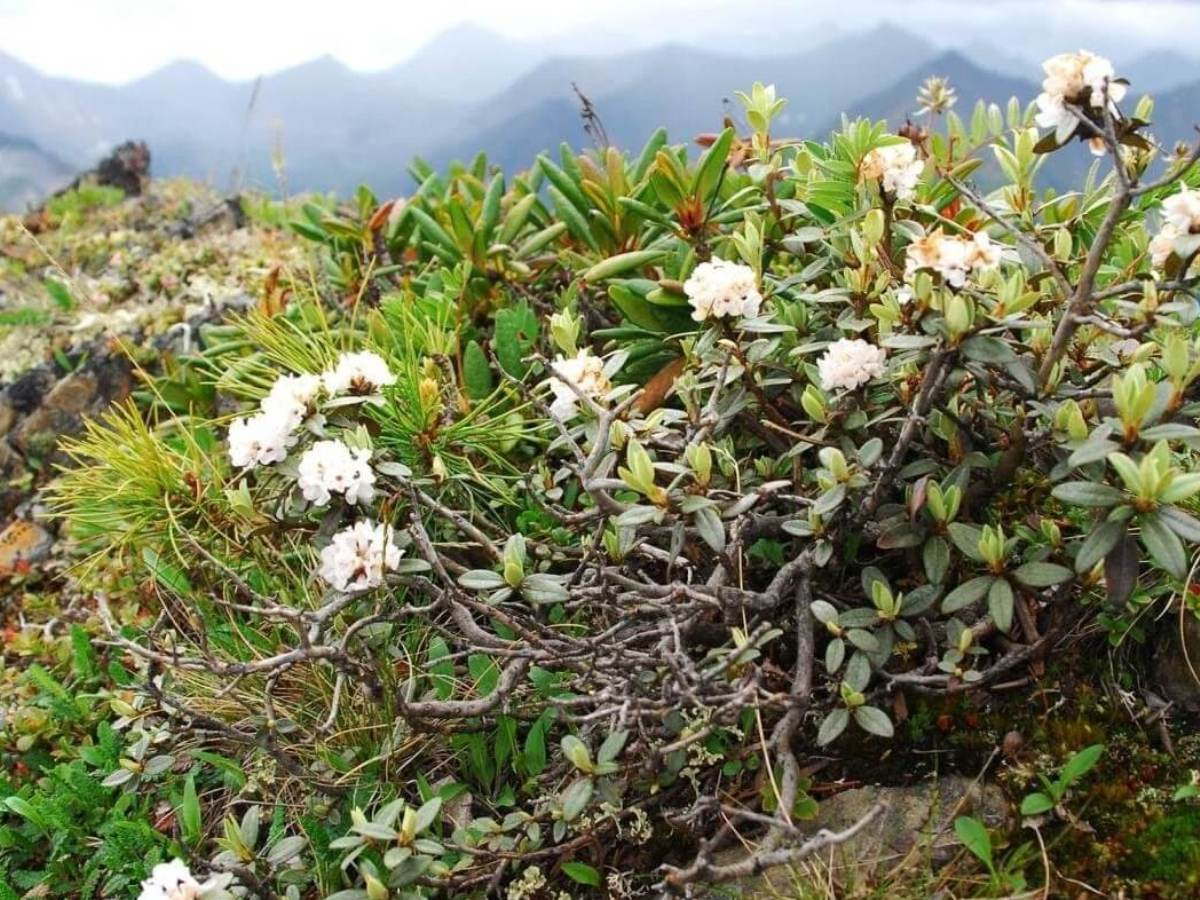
(322, 126)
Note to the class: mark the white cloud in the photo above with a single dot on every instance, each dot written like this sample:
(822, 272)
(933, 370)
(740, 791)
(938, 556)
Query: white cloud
(117, 40)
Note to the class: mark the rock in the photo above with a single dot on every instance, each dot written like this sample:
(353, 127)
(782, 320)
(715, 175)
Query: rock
(26, 393)
(915, 814)
(1171, 668)
(8, 415)
(73, 394)
(22, 543)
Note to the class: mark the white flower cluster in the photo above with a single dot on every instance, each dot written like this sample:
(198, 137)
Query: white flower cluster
(1180, 232)
(952, 257)
(330, 467)
(720, 288)
(849, 364)
(1075, 79)
(585, 371)
(357, 556)
(265, 438)
(173, 881)
(358, 373)
(896, 166)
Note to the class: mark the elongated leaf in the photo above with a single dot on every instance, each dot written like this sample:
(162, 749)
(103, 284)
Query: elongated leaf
(873, 720)
(1097, 545)
(581, 873)
(620, 264)
(1184, 525)
(966, 539)
(1000, 604)
(1087, 493)
(974, 836)
(1121, 571)
(835, 723)
(1042, 574)
(965, 594)
(1164, 545)
(1081, 763)
(936, 557)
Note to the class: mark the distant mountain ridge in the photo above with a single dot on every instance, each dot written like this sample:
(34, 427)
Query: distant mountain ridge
(322, 126)
(28, 172)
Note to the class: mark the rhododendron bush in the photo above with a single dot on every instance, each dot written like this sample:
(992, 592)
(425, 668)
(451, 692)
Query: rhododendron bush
(568, 513)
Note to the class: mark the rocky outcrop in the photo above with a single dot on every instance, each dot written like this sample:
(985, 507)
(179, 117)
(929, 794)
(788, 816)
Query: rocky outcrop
(1177, 661)
(919, 816)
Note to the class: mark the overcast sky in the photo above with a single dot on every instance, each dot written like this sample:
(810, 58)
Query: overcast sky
(117, 40)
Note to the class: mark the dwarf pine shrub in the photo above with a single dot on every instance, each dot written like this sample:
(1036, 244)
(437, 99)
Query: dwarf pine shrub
(555, 526)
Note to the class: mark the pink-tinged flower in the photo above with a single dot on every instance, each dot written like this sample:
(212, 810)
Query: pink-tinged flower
(719, 289)
(330, 467)
(357, 557)
(849, 364)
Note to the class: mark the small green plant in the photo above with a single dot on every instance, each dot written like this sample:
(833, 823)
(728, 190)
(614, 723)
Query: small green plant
(1053, 791)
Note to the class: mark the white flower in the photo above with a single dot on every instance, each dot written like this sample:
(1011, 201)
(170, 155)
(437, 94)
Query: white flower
(952, 257)
(171, 881)
(358, 373)
(330, 467)
(981, 253)
(1180, 231)
(850, 364)
(357, 556)
(1081, 78)
(1053, 113)
(1163, 244)
(1182, 210)
(261, 439)
(719, 288)
(896, 165)
(292, 394)
(904, 295)
(586, 372)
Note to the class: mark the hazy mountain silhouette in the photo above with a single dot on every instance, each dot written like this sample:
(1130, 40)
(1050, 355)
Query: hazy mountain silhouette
(322, 126)
(27, 172)
(685, 90)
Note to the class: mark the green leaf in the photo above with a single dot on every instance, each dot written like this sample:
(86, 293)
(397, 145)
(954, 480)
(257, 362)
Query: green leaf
(966, 539)
(1036, 804)
(1097, 545)
(577, 752)
(1081, 763)
(620, 264)
(60, 294)
(576, 798)
(835, 723)
(988, 350)
(1042, 574)
(708, 171)
(1087, 493)
(1164, 545)
(481, 580)
(611, 748)
(286, 849)
(477, 372)
(974, 836)
(166, 574)
(936, 557)
(965, 594)
(516, 334)
(1000, 604)
(1184, 525)
(873, 720)
(190, 821)
(581, 873)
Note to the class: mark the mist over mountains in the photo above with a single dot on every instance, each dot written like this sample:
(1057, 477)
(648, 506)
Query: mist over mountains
(322, 126)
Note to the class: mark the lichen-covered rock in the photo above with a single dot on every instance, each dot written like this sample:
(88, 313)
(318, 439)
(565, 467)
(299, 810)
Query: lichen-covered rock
(919, 815)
